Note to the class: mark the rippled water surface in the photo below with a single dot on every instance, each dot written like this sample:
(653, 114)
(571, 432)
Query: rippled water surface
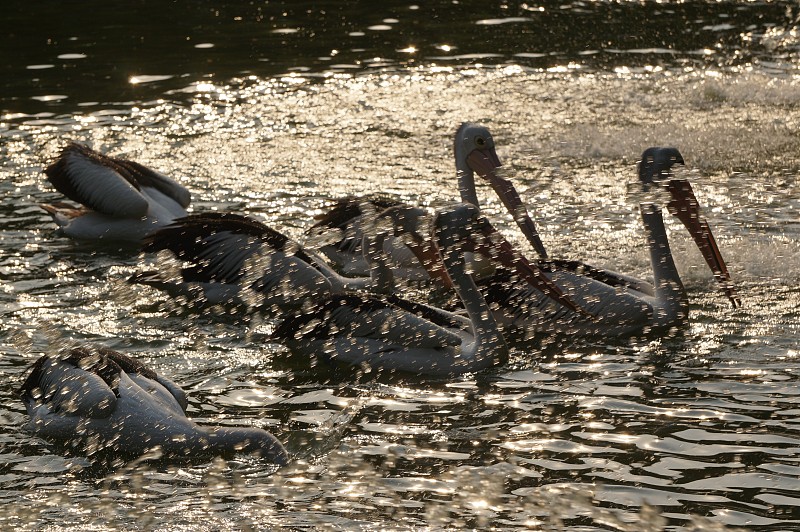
(273, 110)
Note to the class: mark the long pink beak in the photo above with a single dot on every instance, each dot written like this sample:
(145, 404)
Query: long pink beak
(685, 207)
(485, 163)
(495, 246)
(428, 256)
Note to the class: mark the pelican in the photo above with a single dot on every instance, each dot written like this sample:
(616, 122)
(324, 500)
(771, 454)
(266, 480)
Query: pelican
(94, 399)
(622, 304)
(121, 200)
(388, 335)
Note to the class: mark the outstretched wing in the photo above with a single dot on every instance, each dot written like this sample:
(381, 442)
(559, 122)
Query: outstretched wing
(84, 382)
(611, 278)
(217, 245)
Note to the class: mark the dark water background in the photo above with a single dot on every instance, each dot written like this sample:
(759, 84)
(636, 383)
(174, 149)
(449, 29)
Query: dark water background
(298, 103)
(88, 53)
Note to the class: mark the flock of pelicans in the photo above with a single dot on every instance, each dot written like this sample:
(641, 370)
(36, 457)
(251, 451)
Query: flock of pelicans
(339, 301)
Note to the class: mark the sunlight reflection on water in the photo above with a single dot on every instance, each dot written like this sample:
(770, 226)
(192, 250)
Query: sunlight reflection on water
(703, 424)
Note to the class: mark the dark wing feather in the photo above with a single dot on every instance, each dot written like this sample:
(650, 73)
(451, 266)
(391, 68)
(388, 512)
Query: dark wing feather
(313, 321)
(581, 268)
(147, 177)
(109, 185)
(218, 244)
(59, 176)
(103, 362)
(357, 316)
(426, 312)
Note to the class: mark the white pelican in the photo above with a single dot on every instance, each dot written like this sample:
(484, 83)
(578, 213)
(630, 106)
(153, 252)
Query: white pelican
(121, 200)
(622, 304)
(391, 335)
(96, 400)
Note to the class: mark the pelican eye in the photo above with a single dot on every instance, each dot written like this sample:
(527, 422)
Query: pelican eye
(480, 141)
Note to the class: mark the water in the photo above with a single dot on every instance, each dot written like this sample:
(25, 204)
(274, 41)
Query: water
(695, 431)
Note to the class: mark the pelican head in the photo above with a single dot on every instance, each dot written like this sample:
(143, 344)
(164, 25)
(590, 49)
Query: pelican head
(656, 168)
(656, 164)
(475, 154)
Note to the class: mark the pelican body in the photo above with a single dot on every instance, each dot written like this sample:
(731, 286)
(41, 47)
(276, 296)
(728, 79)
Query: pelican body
(121, 200)
(394, 335)
(97, 400)
(620, 307)
(623, 305)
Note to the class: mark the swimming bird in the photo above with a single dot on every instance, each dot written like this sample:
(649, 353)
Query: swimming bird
(388, 335)
(96, 400)
(475, 144)
(121, 200)
(655, 169)
(623, 305)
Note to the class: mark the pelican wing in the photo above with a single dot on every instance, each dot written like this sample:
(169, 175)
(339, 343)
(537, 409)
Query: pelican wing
(108, 185)
(85, 382)
(87, 177)
(219, 244)
(137, 370)
(435, 315)
(164, 390)
(618, 311)
(147, 177)
(59, 387)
